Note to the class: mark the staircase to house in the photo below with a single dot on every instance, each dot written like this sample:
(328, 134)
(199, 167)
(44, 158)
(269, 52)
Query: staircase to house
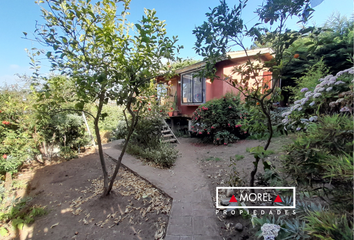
(167, 134)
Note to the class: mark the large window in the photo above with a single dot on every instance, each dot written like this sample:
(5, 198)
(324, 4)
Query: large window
(193, 89)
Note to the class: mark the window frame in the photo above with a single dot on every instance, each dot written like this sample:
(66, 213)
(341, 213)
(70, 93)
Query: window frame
(192, 80)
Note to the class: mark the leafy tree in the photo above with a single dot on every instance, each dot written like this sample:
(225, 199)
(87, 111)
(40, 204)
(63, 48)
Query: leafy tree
(180, 63)
(225, 29)
(96, 48)
(18, 141)
(333, 44)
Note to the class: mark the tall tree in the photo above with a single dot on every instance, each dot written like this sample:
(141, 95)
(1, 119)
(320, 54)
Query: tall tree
(107, 57)
(225, 29)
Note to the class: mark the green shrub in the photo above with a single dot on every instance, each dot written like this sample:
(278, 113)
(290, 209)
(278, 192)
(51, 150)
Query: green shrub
(329, 226)
(322, 156)
(163, 154)
(309, 80)
(67, 131)
(147, 132)
(219, 120)
(121, 130)
(21, 213)
(17, 129)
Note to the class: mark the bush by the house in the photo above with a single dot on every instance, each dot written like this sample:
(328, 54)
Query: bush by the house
(220, 120)
(146, 141)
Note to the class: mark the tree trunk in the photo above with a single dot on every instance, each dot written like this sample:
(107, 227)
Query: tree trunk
(131, 130)
(255, 168)
(118, 164)
(254, 171)
(102, 161)
(99, 143)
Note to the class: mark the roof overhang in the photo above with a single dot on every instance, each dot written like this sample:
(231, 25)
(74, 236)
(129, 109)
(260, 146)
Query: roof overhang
(265, 52)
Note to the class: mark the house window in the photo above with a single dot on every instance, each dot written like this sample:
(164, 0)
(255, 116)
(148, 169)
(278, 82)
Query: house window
(193, 89)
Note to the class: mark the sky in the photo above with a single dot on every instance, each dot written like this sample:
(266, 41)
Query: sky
(182, 16)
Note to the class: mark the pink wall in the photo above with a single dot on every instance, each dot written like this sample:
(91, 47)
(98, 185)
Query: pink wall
(218, 87)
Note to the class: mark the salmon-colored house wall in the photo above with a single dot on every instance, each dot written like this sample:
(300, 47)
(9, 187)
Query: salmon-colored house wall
(215, 89)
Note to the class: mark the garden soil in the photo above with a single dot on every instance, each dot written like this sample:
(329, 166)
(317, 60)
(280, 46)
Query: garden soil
(71, 193)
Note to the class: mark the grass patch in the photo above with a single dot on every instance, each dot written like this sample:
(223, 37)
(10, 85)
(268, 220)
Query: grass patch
(239, 157)
(215, 159)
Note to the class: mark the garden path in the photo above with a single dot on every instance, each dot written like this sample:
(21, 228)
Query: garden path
(192, 216)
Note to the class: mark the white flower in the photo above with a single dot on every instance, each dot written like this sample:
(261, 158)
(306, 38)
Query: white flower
(351, 71)
(329, 89)
(304, 100)
(285, 114)
(339, 73)
(313, 119)
(285, 121)
(330, 82)
(299, 109)
(332, 104)
(270, 231)
(332, 79)
(308, 94)
(323, 83)
(328, 77)
(321, 79)
(317, 95)
(319, 89)
(294, 107)
(297, 101)
(339, 82)
(298, 129)
(344, 109)
(312, 103)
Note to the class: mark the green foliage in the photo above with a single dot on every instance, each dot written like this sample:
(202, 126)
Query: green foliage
(329, 226)
(219, 120)
(3, 232)
(234, 177)
(332, 44)
(290, 228)
(112, 115)
(259, 152)
(18, 142)
(239, 157)
(163, 154)
(323, 155)
(21, 213)
(309, 79)
(180, 63)
(121, 131)
(216, 159)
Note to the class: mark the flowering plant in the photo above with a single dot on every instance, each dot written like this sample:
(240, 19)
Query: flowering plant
(220, 120)
(332, 94)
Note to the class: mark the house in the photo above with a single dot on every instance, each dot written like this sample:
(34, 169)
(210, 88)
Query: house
(187, 91)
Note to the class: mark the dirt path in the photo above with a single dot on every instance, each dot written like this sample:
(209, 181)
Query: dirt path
(193, 214)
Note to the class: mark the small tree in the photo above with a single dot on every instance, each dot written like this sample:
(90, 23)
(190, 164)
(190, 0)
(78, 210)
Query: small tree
(225, 29)
(94, 46)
